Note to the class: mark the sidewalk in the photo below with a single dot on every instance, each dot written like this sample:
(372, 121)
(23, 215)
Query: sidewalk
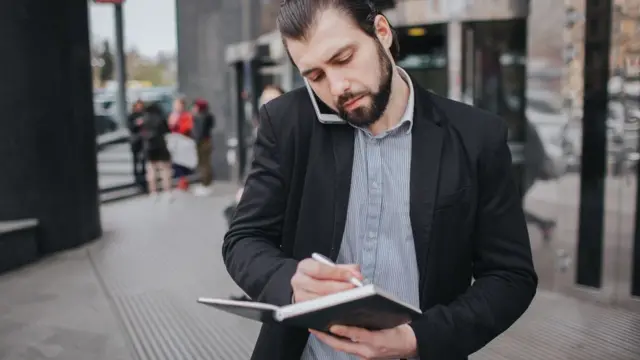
(131, 295)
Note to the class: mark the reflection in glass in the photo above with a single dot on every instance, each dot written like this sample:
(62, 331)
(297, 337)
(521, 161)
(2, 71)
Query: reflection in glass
(494, 79)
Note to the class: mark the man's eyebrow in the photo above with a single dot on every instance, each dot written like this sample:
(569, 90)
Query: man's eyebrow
(339, 52)
(332, 58)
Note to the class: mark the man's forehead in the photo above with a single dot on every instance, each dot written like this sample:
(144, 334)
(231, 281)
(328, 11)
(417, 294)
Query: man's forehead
(332, 20)
(331, 32)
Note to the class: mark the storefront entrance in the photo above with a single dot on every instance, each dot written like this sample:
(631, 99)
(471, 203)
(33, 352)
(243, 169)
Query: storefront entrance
(423, 54)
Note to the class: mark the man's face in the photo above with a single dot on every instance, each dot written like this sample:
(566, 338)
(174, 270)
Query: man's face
(178, 106)
(348, 70)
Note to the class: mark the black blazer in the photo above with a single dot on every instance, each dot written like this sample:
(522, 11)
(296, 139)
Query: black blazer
(465, 211)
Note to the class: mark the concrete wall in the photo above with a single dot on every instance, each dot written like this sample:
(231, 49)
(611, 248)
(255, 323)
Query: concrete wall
(47, 141)
(205, 28)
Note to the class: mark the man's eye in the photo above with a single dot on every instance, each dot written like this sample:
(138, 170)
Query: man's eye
(315, 78)
(344, 59)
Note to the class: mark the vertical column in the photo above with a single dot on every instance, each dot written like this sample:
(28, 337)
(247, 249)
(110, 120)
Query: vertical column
(121, 65)
(592, 177)
(635, 265)
(47, 141)
(287, 75)
(454, 59)
(204, 28)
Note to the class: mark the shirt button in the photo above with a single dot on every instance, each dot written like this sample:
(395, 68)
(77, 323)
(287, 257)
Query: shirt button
(372, 234)
(374, 185)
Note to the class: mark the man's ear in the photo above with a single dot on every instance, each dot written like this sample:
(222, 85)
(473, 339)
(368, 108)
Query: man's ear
(383, 30)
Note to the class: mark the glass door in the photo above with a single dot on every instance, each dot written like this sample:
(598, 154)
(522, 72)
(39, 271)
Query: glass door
(621, 241)
(494, 71)
(423, 54)
(621, 275)
(495, 78)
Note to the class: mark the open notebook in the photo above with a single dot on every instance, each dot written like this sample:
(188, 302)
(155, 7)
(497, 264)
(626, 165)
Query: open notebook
(365, 307)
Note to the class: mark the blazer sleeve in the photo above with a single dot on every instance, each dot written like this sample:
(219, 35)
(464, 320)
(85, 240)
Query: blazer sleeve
(251, 248)
(505, 280)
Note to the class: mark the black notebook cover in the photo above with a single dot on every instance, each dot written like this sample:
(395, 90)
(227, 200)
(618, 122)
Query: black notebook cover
(246, 309)
(366, 307)
(373, 312)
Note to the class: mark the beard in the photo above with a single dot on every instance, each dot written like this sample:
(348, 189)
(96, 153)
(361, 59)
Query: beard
(367, 115)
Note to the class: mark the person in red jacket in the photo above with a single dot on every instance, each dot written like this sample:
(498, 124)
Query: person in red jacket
(181, 121)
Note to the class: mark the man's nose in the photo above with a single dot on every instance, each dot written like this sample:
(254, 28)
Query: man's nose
(339, 85)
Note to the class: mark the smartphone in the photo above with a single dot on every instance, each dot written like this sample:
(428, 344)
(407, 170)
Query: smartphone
(324, 112)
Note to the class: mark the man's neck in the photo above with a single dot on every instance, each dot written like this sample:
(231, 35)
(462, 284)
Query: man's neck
(398, 101)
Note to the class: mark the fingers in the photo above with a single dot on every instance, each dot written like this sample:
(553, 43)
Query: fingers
(353, 268)
(361, 350)
(313, 279)
(307, 288)
(354, 333)
(320, 271)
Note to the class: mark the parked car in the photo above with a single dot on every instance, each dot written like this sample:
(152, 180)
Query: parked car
(164, 96)
(104, 124)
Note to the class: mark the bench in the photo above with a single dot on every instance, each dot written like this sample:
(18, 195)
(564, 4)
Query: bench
(18, 243)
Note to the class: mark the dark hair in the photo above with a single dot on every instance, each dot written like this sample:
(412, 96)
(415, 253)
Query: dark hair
(138, 102)
(296, 17)
(154, 109)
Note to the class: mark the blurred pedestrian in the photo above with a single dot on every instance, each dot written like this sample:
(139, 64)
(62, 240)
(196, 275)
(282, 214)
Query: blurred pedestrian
(181, 122)
(137, 152)
(203, 124)
(153, 128)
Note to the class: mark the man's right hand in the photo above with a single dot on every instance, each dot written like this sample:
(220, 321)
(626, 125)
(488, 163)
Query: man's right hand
(314, 279)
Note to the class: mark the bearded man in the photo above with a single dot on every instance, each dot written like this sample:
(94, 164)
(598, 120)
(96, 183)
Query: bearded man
(395, 184)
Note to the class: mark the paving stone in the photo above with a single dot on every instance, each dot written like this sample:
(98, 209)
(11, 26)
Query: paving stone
(131, 295)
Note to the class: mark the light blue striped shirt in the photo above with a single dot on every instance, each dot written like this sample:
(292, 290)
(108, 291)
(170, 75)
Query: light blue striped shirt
(378, 233)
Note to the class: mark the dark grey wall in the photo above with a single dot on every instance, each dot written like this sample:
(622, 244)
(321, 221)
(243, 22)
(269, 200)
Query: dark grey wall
(47, 139)
(205, 28)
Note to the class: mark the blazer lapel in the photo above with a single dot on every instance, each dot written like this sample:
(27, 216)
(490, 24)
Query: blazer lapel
(426, 150)
(342, 139)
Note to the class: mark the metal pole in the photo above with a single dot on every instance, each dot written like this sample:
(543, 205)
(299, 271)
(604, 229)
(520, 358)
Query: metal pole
(245, 87)
(121, 71)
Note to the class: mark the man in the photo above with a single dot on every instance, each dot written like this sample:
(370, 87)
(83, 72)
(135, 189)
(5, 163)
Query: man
(203, 124)
(414, 193)
(139, 161)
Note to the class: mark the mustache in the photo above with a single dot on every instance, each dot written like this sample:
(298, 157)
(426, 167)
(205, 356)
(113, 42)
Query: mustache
(346, 97)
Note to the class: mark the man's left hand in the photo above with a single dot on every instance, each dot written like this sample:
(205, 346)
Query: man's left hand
(399, 342)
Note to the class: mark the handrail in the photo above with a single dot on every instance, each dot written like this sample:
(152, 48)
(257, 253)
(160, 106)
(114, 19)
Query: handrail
(120, 136)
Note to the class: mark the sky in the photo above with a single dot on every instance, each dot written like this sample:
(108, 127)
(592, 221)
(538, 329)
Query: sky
(149, 25)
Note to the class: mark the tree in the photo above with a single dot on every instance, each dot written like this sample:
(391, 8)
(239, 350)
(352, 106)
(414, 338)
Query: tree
(106, 71)
(148, 71)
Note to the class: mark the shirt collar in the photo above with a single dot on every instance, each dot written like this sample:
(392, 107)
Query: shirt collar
(407, 116)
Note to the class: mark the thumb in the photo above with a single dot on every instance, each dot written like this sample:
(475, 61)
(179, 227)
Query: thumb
(354, 269)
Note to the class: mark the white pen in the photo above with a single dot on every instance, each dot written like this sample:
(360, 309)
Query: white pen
(325, 260)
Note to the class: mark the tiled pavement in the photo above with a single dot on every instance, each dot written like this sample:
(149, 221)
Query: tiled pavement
(131, 295)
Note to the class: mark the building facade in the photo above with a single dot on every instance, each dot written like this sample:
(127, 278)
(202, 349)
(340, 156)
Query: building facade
(205, 29)
(539, 65)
